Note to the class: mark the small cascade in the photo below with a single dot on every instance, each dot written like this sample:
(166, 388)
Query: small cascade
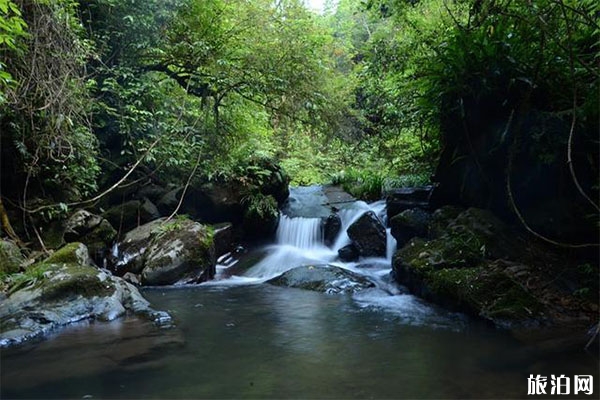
(300, 232)
(300, 240)
(348, 216)
(391, 244)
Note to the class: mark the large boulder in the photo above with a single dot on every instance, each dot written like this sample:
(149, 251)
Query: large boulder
(223, 238)
(56, 293)
(398, 200)
(132, 213)
(167, 252)
(331, 229)
(408, 224)
(473, 265)
(71, 253)
(94, 231)
(10, 257)
(482, 289)
(322, 278)
(368, 234)
(128, 255)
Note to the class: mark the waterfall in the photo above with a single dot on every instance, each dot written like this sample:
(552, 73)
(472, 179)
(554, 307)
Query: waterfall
(300, 239)
(300, 232)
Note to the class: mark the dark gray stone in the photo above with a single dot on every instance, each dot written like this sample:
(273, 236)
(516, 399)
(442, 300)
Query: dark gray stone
(223, 238)
(94, 231)
(348, 253)
(410, 223)
(322, 278)
(368, 235)
(398, 200)
(331, 229)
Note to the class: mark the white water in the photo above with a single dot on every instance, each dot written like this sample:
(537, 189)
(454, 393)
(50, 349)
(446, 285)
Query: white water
(300, 241)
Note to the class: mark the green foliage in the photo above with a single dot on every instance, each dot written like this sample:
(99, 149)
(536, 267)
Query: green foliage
(175, 224)
(45, 117)
(261, 206)
(20, 280)
(12, 28)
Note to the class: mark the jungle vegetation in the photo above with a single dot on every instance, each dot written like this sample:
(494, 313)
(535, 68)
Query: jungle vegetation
(369, 93)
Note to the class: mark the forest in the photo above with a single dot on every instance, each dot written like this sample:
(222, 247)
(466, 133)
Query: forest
(149, 143)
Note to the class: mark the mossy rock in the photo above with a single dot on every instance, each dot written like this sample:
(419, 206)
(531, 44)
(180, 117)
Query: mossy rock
(71, 279)
(482, 228)
(180, 250)
(10, 257)
(486, 292)
(457, 270)
(408, 224)
(446, 252)
(72, 253)
(441, 218)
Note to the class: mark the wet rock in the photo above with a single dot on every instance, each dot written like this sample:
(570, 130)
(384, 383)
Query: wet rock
(72, 253)
(459, 269)
(398, 200)
(348, 253)
(62, 292)
(322, 278)
(408, 224)
(482, 290)
(94, 231)
(129, 253)
(223, 238)
(10, 257)
(132, 278)
(331, 229)
(441, 218)
(182, 251)
(164, 253)
(131, 214)
(368, 235)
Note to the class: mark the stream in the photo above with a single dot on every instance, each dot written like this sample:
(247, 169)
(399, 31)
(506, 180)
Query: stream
(237, 337)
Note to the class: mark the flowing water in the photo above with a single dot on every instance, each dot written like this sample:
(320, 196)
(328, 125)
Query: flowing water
(237, 337)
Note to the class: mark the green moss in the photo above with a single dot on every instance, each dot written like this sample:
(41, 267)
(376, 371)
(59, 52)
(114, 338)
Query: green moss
(71, 253)
(31, 276)
(206, 238)
(491, 294)
(450, 251)
(74, 280)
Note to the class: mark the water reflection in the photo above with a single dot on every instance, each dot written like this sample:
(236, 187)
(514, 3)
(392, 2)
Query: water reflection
(269, 342)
